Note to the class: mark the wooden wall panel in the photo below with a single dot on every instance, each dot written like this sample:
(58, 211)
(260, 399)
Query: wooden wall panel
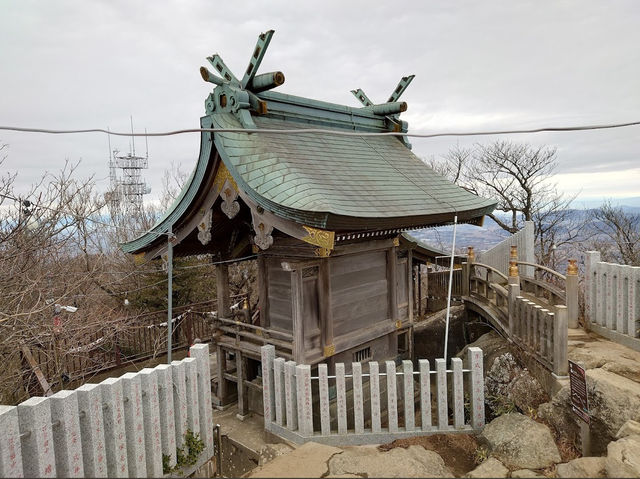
(279, 293)
(359, 291)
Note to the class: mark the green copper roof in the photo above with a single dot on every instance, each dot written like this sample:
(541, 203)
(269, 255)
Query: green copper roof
(339, 182)
(321, 180)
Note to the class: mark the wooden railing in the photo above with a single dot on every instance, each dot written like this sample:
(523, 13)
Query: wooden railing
(531, 311)
(438, 284)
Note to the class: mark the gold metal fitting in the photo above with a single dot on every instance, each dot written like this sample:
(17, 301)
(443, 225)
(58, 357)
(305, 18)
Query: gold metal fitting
(329, 350)
(572, 268)
(471, 255)
(245, 304)
(513, 254)
(513, 268)
(398, 324)
(396, 241)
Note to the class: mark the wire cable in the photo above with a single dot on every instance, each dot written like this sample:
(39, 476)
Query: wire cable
(322, 131)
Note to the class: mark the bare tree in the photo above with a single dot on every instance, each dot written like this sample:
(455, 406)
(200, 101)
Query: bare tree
(621, 230)
(518, 176)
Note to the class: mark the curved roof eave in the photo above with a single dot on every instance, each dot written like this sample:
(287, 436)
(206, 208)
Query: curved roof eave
(181, 204)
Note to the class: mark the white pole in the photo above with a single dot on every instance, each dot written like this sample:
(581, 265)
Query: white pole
(169, 292)
(453, 249)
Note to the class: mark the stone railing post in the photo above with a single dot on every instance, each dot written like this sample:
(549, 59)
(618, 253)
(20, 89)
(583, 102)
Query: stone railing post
(560, 340)
(513, 293)
(572, 293)
(514, 275)
(466, 271)
(590, 261)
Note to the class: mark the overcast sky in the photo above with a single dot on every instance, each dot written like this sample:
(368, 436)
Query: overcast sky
(478, 65)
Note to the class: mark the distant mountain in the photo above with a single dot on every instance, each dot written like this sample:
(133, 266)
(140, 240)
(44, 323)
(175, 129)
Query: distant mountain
(630, 203)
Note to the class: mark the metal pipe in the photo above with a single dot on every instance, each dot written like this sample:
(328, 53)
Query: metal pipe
(169, 291)
(388, 108)
(210, 77)
(266, 81)
(453, 249)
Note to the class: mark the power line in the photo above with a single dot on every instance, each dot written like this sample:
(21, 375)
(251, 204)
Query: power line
(323, 131)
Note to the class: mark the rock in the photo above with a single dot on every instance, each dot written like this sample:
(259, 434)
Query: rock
(583, 467)
(519, 442)
(526, 392)
(415, 461)
(623, 457)
(613, 400)
(492, 345)
(271, 451)
(607, 355)
(489, 468)
(628, 428)
(616, 468)
(309, 460)
(525, 473)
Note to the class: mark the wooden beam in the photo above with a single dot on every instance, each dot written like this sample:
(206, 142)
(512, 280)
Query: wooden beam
(222, 290)
(36, 369)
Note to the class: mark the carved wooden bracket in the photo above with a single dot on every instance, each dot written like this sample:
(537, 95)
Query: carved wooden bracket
(263, 230)
(230, 205)
(204, 228)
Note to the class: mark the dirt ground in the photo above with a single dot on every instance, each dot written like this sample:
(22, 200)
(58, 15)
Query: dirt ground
(457, 450)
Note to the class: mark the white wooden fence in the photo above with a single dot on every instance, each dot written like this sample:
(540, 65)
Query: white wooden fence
(289, 402)
(612, 300)
(498, 256)
(118, 428)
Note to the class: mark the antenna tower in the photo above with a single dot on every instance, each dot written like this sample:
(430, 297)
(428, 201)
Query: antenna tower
(128, 188)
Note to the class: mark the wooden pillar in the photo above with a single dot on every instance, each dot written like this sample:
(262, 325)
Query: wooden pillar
(222, 290)
(241, 375)
(410, 284)
(419, 290)
(297, 318)
(392, 282)
(263, 293)
(410, 300)
(223, 390)
(324, 306)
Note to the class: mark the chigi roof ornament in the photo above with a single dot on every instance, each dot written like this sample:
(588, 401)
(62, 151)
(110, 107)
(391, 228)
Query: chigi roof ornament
(238, 96)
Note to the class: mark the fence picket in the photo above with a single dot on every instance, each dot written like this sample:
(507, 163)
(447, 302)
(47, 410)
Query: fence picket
(425, 394)
(358, 399)
(341, 398)
(409, 412)
(10, 450)
(290, 391)
(323, 388)
(303, 390)
(94, 454)
(66, 435)
(458, 394)
(392, 397)
(278, 386)
(34, 418)
(374, 384)
(441, 388)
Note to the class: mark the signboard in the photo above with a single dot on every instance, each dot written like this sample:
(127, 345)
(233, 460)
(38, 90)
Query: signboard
(579, 399)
